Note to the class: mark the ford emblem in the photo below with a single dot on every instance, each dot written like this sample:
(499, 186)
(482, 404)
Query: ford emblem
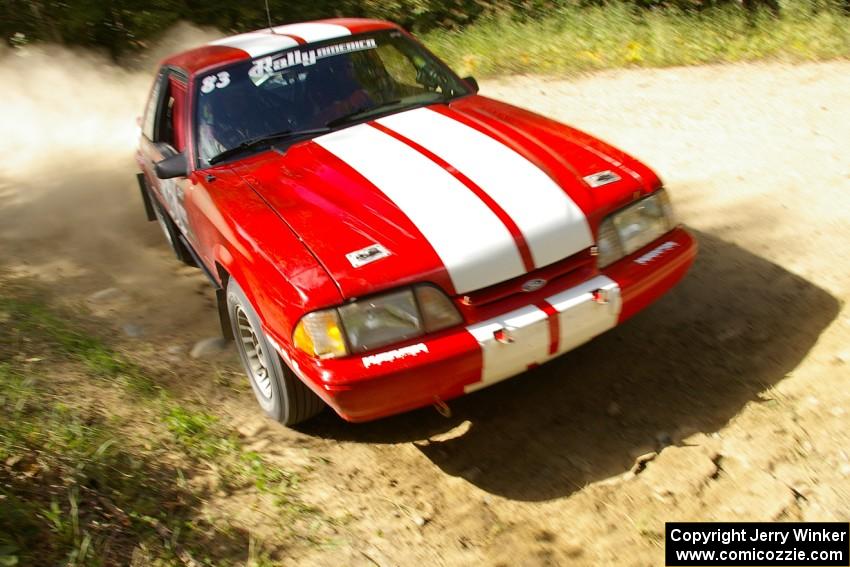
(533, 285)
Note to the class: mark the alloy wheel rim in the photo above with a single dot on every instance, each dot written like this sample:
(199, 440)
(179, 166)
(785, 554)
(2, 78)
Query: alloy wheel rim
(254, 354)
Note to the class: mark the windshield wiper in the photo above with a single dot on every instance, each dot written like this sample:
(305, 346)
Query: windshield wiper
(360, 112)
(265, 141)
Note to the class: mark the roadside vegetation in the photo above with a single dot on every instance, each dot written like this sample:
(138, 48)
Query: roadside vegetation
(481, 37)
(101, 465)
(616, 35)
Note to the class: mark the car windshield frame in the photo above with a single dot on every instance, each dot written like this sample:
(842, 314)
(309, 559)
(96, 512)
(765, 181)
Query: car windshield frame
(460, 87)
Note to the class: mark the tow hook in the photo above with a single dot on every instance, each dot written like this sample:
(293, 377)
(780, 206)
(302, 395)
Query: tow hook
(442, 408)
(503, 336)
(600, 296)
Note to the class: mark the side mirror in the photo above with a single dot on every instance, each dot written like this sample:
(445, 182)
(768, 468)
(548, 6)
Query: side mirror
(171, 167)
(473, 84)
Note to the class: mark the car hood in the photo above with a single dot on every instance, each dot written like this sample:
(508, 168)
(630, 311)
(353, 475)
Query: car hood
(465, 195)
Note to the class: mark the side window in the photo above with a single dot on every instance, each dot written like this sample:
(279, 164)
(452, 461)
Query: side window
(165, 128)
(149, 122)
(164, 118)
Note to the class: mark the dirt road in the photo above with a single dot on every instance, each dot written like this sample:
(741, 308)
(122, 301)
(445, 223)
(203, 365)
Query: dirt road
(738, 379)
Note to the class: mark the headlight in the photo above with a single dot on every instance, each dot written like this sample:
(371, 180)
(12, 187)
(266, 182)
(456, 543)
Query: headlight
(375, 322)
(635, 226)
(319, 334)
(381, 320)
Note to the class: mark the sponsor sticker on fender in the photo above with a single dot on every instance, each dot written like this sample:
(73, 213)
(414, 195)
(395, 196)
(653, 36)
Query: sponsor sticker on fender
(393, 355)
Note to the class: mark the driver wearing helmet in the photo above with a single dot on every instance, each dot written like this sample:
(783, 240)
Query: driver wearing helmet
(347, 94)
(209, 145)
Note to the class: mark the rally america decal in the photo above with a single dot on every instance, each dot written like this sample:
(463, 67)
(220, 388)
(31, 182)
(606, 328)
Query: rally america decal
(306, 57)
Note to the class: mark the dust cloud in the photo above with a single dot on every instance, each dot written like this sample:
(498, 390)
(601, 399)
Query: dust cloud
(75, 108)
(69, 205)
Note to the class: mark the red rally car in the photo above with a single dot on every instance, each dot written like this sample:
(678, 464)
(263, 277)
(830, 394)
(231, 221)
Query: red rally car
(380, 236)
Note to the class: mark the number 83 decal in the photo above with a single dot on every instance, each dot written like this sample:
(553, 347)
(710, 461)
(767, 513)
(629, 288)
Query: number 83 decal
(213, 82)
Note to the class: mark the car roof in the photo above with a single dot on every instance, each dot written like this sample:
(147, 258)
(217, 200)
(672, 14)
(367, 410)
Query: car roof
(268, 40)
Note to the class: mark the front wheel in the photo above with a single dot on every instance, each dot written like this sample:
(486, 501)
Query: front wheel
(281, 394)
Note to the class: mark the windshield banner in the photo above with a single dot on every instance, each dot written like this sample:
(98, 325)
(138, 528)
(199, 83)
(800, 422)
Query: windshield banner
(268, 65)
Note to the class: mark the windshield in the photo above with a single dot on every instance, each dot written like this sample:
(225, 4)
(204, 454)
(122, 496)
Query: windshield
(311, 88)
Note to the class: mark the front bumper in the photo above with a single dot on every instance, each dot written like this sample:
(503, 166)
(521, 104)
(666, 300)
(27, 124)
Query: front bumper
(460, 360)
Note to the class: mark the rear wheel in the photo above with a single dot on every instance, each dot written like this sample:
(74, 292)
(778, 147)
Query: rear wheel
(281, 394)
(164, 224)
(172, 235)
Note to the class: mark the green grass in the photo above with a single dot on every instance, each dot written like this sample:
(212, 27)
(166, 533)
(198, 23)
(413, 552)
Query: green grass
(58, 467)
(32, 317)
(66, 466)
(198, 432)
(571, 39)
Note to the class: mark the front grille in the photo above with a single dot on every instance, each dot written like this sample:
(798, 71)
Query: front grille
(577, 267)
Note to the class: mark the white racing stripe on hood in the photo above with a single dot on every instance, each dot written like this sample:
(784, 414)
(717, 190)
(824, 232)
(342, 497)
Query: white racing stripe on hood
(311, 32)
(258, 43)
(551, 222)
(473, 244)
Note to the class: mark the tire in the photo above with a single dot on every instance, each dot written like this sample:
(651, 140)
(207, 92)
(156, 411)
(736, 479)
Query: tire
(281, 394)
(172, 235)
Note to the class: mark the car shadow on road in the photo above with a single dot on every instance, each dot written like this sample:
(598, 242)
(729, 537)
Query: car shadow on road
(737, 325)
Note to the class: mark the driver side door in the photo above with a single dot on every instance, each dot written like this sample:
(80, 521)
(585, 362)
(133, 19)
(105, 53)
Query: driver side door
(164, 135)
